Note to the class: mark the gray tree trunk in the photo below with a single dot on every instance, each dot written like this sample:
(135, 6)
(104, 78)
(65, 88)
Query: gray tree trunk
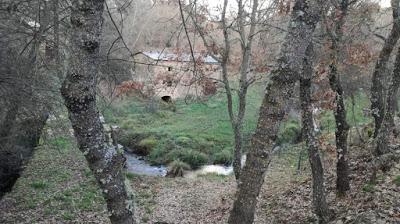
(79, 94)
(377, 88)
(305, 16)
(319, 200)
(342, 127)
(386, 131)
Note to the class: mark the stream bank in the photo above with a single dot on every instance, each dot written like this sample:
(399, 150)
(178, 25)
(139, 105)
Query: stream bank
(137, 164)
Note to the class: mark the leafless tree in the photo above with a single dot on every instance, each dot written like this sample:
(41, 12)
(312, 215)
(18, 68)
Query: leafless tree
(304, 18)
(79, 93)
(377, 89)
(342, 128)
(319, 199)
(236, 28)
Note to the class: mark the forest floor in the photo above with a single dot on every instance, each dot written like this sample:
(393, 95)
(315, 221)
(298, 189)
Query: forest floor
(57, 187)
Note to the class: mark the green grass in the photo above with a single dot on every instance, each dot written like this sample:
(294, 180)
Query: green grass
(60, 143)
(196, 133)
(57, 184)
(368, 187)
(39, 185)
(358, 118)
(397, 181)
(201, 132)
(131, 176)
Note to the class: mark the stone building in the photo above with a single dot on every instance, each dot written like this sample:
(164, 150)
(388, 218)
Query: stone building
(172, 74)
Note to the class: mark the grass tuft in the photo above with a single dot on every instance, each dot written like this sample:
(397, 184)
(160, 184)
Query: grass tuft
(39, 185)
(397, 181)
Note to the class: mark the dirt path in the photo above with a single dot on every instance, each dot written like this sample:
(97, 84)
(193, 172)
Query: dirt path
(206, 199)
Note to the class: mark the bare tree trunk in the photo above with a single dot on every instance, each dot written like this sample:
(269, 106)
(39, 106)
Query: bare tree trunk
(56, 39)
(304, 18)
(319, 200)
(237, 154)
(79, 94)
(9, 119)
(377, 88)
(387, 127)
(342, 127)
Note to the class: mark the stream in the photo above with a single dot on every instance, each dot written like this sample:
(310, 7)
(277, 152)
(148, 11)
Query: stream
(138, 165)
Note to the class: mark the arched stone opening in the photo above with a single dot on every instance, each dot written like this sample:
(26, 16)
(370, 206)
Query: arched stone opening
(167, 99)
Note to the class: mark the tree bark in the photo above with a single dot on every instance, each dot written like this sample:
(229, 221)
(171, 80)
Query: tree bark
(246, 46)
(377, 88)
(319, 200)
(9, 119)
(304, 18)
(342, 127)
(78, 91)
(386, 131)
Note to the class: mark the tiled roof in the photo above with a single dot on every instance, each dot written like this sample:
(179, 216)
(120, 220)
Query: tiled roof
(183, 57)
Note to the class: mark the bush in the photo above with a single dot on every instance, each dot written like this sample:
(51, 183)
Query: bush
(146, 145)
(290, 132)
(160, 154)
(223, 157)
(190, 156)
(194, 158)
(176, 168)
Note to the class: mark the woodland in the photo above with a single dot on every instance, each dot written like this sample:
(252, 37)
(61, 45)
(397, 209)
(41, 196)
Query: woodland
(200, 111)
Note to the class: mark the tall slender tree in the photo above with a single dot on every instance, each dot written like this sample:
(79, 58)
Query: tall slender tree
(246, 32)
(388, 122)
(342, 127)
(319, 199)
(377, 88)
(79, 93)
(304, 18)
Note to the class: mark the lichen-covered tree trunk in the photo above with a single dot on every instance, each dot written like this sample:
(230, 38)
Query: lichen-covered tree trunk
(237, 154)
(319, 199)
(79, 94)
(342, 127)
(341, 133)
(377, 88)
(304, 18)
(382, 144)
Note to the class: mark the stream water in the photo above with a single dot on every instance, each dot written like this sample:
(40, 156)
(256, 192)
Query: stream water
(138, 165)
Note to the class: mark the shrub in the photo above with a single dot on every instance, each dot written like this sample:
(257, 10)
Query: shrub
(160, 154)
(190, 156)
(176, 168)
(147, 144)
(289, 132)
(223, 157)
(194, 158)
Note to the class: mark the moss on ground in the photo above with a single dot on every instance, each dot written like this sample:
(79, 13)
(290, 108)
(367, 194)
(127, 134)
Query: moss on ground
(55, 185)
(200, 128)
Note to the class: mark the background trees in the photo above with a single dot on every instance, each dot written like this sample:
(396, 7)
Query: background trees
(79, 93)
(332, 49)
(28, 82)
(278, 92)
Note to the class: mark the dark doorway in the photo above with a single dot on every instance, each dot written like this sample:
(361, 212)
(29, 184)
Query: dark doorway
(166, 99)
